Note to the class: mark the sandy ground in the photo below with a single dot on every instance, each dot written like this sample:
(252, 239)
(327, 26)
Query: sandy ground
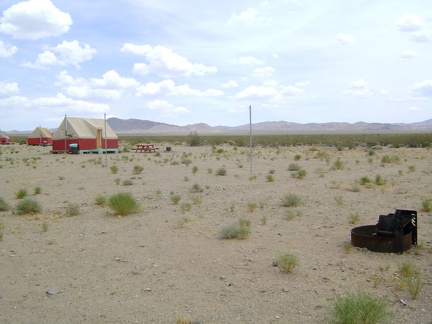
(164, 264)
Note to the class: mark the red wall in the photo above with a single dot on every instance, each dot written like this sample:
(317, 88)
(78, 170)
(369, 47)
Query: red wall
(83, 144)
(4, 140)
(39, 141)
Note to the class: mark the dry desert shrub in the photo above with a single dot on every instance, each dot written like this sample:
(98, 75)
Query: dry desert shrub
(4, 206)
(359, 307)
(27, 206)
(286, 262)
(123, 203)
(239, 230)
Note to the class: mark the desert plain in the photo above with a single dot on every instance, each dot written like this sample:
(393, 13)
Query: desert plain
(166, 262)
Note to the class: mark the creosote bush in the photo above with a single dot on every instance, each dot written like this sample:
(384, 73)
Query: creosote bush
(72, 209)
(4, 206)
(27, 206)
(427, 205)
(137, 169)
(175, 199)
(291, 200)
(286, 262)
(221, 172)
(21, 193)
(100, 200)
(114, 169)
(240, 230)
(123, 203)
(359, 307)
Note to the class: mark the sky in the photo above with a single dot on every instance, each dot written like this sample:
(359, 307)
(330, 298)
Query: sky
(191, 61)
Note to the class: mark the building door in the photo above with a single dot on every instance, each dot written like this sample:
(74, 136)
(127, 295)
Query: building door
(99, 138)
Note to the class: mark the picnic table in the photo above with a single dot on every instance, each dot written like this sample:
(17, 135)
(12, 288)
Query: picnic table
(144, 148)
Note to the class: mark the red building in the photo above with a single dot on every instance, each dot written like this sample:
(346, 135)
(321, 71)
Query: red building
(84, 135)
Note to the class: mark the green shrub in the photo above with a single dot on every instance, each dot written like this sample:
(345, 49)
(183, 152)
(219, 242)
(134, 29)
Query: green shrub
(359, 307)
(72, 209)
(123, 203)
(137, 169)
(364, 180)
(353, 218)
(286, 262)
(175, 199)
(114, 169)
(4, 206)
(100, 200)
(240, 230)
(221, 172)
(194, 169)
(300, 174)
(414, 286)
(196, 188)
(185, 207)
(269, 177)
(194, 139)
(338, 164)
(427, 205)
(37, 190)
(293, 167)
(21, 193)
(379, 180)
(291, 200)
(127, 182)
(27, 206)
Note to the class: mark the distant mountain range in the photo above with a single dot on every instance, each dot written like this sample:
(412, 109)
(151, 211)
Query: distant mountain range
(139, 126)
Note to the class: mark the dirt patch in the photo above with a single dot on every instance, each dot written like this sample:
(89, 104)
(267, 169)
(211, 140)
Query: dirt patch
(167, 262)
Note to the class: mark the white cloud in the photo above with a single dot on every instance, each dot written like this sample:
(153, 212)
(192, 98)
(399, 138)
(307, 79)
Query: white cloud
(66, 53)
(413, 109)
(169, 88)
(383, 92)
(8, 89)
(230, 84)
(302, 84)
(15, 102)
(257, 93)
(165, 63)
(166, 109)
(250, 16)
(422, 89)
(249, 60)
(346, 39)
(292, 91)
(7, 50)
(263, 72)
(34, 19)
(110, 86)
(247, 17)
(112, 80)
(406, 55)
(409, 23)
(359, 88)
(420, 37)
(60, 100)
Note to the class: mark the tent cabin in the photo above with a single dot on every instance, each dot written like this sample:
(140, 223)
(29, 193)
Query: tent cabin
(4, 138)
(40, 136)
(84, 135)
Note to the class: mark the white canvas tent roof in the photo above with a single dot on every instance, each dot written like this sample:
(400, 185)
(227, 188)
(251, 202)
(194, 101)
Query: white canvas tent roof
(41, 132)
(3, 135)
(74, 128)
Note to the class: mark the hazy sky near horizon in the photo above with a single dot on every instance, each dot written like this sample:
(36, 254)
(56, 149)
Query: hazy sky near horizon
(190, 61)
